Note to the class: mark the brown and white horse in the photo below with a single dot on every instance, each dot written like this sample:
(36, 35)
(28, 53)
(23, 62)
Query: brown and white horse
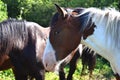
(98, 29)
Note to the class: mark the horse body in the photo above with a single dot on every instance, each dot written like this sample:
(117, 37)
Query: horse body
(40, 39)
(22, 42)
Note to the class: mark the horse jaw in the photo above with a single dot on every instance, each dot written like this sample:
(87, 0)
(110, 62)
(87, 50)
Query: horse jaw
(49, 59)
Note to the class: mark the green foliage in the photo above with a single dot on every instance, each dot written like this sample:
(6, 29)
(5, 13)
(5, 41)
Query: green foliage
(88, 3)
(40, 11)
(103, 68)
(12, 7)
(6, 75)
(3, 11)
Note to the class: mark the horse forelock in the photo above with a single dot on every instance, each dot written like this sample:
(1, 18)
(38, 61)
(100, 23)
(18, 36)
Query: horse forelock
(57, 15)
(110, 19)
(85, 21)
(54, 19)
(13, 34)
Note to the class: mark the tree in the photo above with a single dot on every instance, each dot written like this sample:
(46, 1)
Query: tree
(41, 11)
(3, 11)
(12, 7)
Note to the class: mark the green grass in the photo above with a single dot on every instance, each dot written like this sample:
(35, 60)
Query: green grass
(102, 71)
(6, 75)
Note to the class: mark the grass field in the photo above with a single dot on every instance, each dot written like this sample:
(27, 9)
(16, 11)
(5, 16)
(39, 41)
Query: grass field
(102, 71)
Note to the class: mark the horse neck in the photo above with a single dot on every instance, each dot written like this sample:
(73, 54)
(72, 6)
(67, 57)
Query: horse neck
(41, 41)
(97, 41)
(103, 39)
(38, 27)
(109, 20)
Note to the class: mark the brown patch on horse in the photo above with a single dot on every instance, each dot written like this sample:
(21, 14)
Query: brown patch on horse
(3, 58)
(117, 76)
(89, 31)
(74, 13)
(77, 11)
(88, 59)
(6, 65)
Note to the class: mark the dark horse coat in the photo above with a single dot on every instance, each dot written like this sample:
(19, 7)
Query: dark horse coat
(20, 41)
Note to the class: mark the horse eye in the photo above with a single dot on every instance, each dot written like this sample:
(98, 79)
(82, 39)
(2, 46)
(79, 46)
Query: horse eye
(57, 32)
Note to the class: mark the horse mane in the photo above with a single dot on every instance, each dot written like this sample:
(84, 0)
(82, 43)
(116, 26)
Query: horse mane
(13, 34)
(83, 18)
(108, 17)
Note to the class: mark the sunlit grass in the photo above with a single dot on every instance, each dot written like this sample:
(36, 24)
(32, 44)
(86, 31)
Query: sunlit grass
(6, 75)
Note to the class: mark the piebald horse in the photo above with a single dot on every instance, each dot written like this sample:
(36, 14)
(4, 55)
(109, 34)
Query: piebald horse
(96, 28)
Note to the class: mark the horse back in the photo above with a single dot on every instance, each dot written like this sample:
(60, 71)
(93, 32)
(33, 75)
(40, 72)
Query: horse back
(13, 34)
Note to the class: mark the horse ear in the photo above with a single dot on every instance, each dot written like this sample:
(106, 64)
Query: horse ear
(61, 11)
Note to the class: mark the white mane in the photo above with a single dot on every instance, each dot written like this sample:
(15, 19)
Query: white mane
(110, 19)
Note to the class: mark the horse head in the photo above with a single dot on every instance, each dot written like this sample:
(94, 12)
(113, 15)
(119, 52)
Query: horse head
(67, 28)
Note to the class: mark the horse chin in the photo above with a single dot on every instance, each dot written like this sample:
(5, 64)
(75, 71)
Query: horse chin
(56, 68)
(60, 64)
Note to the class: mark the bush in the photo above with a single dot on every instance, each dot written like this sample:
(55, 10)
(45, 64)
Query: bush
(3, 11)
(38, 11)
(41, 11)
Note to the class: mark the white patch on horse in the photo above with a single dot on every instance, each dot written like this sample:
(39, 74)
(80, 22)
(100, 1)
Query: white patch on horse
(80, 48)
(40, 46)
(49, 59)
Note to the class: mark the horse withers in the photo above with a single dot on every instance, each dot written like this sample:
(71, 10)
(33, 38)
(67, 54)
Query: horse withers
(23, 43)
(98, 29)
